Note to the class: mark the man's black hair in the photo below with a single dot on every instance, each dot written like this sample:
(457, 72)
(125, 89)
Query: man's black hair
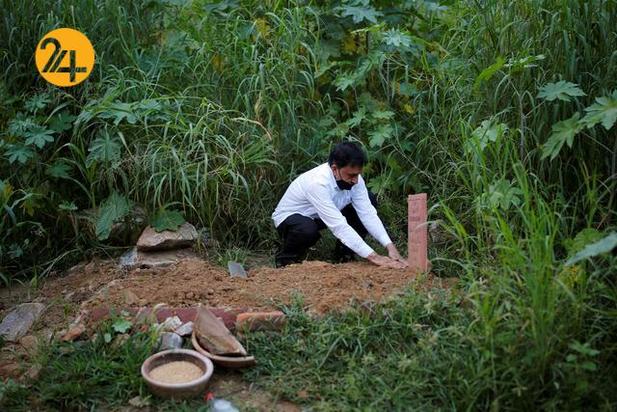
(347, 154)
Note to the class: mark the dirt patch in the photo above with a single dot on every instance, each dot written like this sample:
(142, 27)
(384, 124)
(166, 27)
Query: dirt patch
(323, 286)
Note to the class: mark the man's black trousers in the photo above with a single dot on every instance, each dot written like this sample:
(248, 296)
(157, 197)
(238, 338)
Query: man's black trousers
(298, 233)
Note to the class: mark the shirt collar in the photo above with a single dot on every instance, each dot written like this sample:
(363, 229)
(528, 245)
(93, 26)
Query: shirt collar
(331, 179)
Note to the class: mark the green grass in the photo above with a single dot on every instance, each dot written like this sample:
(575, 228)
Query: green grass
(212, 108)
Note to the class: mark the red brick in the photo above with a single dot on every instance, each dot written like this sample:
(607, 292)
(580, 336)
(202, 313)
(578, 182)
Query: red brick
(418, 232)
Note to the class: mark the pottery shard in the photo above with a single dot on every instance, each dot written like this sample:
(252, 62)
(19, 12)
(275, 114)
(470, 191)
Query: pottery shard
(214, 336)
(260, 321)
(151, 240)
(74, 332)
(138, 259)
(18, 322)
(185, 329)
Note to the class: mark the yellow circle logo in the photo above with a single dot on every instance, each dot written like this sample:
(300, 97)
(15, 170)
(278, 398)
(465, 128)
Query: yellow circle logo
(64, 57)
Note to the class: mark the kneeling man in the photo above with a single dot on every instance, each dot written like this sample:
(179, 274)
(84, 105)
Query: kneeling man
(332, 195)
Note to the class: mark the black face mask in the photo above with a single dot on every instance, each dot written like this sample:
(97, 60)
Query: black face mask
(343, 185)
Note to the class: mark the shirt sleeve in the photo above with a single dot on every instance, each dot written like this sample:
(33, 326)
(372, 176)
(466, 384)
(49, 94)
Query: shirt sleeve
(319, 196)
(368, 214)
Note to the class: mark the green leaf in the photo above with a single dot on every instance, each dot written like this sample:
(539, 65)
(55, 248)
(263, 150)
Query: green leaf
(113, 209)
(20, 124)
(19, 153)
(600, 247)
(344, 80)
(357, 118)
(563, 132)
(107, 337)
(39, 136)
(61, 122)
(582, 239)
(396, 38)
(378, 136)
(167, 220)
(488, 131)
(67, 206)
(105, 148)
(489, 71)
(561, 90)
(37, 102)
(603, 111)
(121, 325)
(359, 11)
(382, 114)
(59, 169)
(119, 111)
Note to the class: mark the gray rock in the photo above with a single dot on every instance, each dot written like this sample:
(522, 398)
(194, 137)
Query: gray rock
(170, 324)
(185, 330)
(150, 240)
(137, 259)
(18, 322)
(169, 340)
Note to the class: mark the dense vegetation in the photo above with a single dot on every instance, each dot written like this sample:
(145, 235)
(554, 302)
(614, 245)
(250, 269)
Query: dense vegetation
(504, 112)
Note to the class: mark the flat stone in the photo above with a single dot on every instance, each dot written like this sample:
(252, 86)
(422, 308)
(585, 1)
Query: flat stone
(185, 329)
(169, 340)
(134, 258)
(130, 298)
(18, 322)
(151, 240)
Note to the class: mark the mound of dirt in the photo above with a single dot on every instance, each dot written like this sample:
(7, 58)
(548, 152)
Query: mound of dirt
(323, 286)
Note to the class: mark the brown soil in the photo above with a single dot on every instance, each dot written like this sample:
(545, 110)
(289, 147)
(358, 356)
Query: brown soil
(323, 286)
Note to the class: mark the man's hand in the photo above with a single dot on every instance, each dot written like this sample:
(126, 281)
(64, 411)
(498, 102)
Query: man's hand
(393, 253)
(385, 261)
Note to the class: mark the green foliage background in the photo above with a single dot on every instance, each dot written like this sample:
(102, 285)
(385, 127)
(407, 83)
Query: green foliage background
(504, 112)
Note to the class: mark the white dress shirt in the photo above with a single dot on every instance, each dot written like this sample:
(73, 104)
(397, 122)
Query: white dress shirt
(315, 194)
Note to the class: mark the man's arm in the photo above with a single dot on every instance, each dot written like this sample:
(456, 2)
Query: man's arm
(319, 197)
(369, 218)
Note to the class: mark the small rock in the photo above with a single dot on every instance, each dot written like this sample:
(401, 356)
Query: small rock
(185, 330)
(33, 372)
(260, 321)
(30, 343)
(139, 402)
(130, 298)
(135, 259)
(170, 340)
(170, 324)
(210, 292)
(190, 295)
(74, 332)
(150, 240)
(19, 321)
(120, 340)
(9, 370)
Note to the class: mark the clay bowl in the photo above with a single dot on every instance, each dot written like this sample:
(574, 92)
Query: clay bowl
(226, 361)
(178, 390)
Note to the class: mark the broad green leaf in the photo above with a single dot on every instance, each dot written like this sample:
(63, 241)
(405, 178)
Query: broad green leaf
(604, 245)
(119, 111)
(20, 125)
(19, 153)
(39, 136)
(382, 114)
(489, 71)
(105, 148)
(501, 194)
(582, 239)
(396, 38)
(563, 132)
(167, 220)
(603, 111)
(359, 11)
(121, 325)
(59, 169)
(561, 90)
(62, 122)
(344, 81)
(37, 102)
(380, 135)
(358, 116)
(113, 209)
(67, 206)
(488, 131)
